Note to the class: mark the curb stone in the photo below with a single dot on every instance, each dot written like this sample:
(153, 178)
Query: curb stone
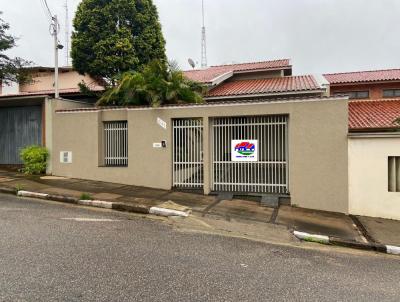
(101, 204)
(7, 190)
(388, 249)
(130, 208)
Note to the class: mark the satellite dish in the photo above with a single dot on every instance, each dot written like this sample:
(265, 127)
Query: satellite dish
(192, 63)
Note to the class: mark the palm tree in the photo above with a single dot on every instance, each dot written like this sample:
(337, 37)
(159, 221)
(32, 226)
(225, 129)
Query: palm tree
(157, 84)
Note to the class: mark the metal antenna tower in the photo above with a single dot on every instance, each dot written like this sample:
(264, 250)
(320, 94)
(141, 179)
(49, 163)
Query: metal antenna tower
(203, 40)
(66, 34)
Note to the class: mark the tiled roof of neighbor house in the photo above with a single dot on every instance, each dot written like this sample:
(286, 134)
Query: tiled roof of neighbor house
(374, 114)
(49, 92)
(211, 73)
(363, 76)
(265, 86)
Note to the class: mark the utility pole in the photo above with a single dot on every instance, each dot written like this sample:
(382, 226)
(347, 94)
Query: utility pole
(203, 40)
(54, 29)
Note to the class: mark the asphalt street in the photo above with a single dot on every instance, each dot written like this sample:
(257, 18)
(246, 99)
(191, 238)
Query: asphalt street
(56, 252)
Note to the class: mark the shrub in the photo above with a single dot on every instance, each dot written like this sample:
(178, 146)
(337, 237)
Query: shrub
(35, 159)
(86, 196)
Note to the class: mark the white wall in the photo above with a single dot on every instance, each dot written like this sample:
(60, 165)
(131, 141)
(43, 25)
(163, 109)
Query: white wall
(368, 176)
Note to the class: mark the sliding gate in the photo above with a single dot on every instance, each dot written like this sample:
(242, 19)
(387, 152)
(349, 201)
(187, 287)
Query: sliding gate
(266, 136)
(188, 153)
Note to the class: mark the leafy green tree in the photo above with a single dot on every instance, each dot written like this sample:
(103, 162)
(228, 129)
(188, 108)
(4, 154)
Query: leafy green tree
(114, 36)
(156, 84)
(11, 69)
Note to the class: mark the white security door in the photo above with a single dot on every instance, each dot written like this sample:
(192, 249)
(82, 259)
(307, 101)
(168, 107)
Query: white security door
(188, 153)
(250, 154)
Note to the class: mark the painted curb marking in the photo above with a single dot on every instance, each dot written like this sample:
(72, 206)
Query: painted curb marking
(394, 250)
(106, 204)
(388, 249)
(32, 194)
(167, 212)
(96, 203)
(311, 237)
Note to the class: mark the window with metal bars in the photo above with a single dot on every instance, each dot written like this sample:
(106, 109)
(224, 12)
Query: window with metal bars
(394, 173)
(116, 144)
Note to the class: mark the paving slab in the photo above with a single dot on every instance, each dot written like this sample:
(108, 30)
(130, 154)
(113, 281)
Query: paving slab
(142, 192)
(384, 231)
(106, 196)
(61, 191)
(319, 222)
(244, 209)
(139, 201)
(5, 179)
(26, 184)
(194, 201)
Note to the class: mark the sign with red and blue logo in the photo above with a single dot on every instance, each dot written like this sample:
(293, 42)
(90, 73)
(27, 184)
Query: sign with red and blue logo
(244, 150)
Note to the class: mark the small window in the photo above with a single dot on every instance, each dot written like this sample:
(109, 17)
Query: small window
(354, 94)
(391, 93)
(394, 174)
(116, 144)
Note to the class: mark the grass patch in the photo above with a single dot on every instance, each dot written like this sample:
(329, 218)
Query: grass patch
(86, 196)
(18, 188)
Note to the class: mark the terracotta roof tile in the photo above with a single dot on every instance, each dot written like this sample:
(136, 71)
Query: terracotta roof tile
(363, 76)
(211, 73)
(265, 86)
(50, 92)
(374, 114)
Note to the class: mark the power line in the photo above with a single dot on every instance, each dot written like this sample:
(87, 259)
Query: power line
(45, 10)
(47, 7)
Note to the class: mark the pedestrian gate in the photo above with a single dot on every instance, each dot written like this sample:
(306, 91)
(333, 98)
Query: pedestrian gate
(269, 174)
(188, 153)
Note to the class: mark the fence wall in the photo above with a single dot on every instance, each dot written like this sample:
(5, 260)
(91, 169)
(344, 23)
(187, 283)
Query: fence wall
(317, 146)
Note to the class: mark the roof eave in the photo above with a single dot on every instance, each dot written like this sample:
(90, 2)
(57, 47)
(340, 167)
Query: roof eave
(362, 82)
(260, 95)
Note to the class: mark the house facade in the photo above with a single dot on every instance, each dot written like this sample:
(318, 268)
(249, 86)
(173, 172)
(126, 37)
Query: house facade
(374, 140)
(25, 110)
(299, 136)
(321, 142)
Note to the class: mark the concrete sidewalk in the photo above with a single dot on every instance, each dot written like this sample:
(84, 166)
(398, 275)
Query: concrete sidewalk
(209, 207)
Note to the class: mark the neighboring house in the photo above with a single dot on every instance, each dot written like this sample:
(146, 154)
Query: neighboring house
(374, 158)
(367, 85)
(374, 140)
(26, 110)
(260, 80)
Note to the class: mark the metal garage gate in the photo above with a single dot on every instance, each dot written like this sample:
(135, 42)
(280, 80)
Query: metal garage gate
(19, 127)
(188, 153)
(269, 174)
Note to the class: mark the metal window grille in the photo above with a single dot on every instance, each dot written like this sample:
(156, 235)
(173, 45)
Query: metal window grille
(267, 175)
(116, 143)
(188, 153)
(394, 173)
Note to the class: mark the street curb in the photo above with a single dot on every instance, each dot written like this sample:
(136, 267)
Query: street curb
(7, 190)
(167, 212)
(130, 208)
(330, 240)
(118, 206)
(96, 203)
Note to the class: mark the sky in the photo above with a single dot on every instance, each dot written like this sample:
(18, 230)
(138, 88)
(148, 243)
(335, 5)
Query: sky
(319, 36)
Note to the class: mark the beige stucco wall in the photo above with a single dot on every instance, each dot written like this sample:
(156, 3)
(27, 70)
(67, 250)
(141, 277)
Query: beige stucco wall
(50, 107)
(317, 147)
(43, 81)
(368, 177)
